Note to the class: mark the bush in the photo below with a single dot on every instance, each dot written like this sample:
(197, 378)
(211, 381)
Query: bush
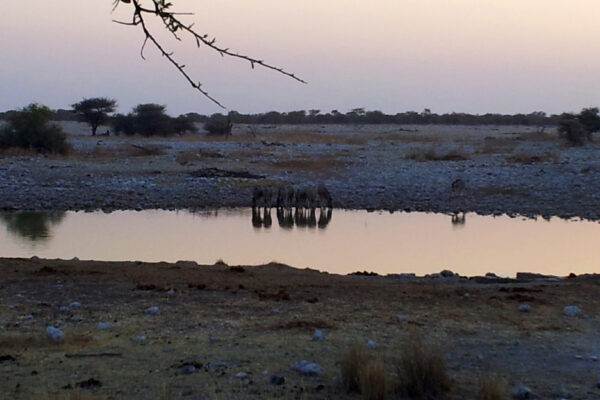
(218, 124)
(30, 129)
(372, 380)
(350, 366)
(421, 370)
(578, 129)
(491, 388)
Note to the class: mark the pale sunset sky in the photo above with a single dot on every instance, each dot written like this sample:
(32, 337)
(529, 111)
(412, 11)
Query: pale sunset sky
(474, 56)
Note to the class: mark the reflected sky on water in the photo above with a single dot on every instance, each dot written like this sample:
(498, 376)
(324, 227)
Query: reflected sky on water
(350, 240)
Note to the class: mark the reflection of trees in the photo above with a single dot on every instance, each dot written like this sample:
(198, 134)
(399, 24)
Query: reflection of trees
(34, 226)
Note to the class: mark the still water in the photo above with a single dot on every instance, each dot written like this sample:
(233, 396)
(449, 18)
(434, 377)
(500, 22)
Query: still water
(342, 242)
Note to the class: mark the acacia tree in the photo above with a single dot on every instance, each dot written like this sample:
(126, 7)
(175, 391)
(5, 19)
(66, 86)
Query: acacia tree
(162, 10)
(95, 111)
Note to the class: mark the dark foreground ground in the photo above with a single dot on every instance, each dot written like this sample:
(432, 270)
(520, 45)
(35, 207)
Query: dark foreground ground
(222, 332)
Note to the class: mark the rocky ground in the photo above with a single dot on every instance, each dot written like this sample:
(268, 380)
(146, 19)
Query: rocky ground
(512, 170)
(170, 331)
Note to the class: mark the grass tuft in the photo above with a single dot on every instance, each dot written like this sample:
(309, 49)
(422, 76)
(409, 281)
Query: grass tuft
(350, 367)
(492, 388)
(372, 380)
(421, 370)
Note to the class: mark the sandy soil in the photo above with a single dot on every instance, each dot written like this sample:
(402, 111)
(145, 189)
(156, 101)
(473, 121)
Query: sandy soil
(512, 170)
(259, 321)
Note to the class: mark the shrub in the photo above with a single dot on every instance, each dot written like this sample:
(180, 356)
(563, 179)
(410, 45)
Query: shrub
(350, 366)
(421, 370)
(30, 128)
(491, 388)
(218, 124)
(372, 380)
(578, 129)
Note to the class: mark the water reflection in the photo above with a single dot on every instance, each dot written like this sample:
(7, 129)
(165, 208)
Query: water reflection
(33, 226)
(287, 218)
(459, 219)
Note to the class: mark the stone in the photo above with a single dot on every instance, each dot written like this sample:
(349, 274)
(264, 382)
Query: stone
(318, 335)
(571, 311)
(187, 369)
(277, 380)
(371, 344)
(151, 310)
(103, 325)
(139, 338)
(241, 375)
(74, 259)
(306, 368)
(75, 304)
(524, 308)
(54, 333)
(63, 308)
(522, 392)
(447, 273)
(401, 318)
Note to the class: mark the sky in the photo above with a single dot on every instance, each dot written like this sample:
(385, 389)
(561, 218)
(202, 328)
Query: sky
(476, 56)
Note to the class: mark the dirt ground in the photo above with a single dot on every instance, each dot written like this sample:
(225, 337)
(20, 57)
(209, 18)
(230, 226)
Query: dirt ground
(222, 332)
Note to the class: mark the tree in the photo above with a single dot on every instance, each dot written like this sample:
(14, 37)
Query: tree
(151, 119)
(162, 11)
(578, 128)
(30, 129)
(94, 111)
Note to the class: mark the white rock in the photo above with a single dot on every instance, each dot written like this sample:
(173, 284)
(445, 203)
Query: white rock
(63, 308)
(151, 310)
(522, 392)
(524, 308)
(241, 374)
(75, 304)
(54, 333)
(318, 335)
(103, 325)
(571, 311)
(371, 344)
(401, 317)
(139, 338)
(306, 368)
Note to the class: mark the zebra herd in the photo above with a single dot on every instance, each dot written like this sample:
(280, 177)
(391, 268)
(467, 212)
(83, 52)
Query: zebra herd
(294, 206)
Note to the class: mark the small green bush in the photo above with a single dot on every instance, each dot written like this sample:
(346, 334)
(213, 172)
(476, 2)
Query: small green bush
(30, 129)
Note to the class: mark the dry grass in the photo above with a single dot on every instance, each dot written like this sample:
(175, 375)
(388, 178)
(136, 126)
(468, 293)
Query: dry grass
(122, 151)
(314, 138)
(191, 156)
(523, 157)
(431, 154)
(497, 145)
(373, 381)
(538, 137)
(491, 388)
(310, 164)
(350, 367)
(421, 370)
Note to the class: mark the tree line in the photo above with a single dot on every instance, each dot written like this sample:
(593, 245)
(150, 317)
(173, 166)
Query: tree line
(31, 127)
(87, 109)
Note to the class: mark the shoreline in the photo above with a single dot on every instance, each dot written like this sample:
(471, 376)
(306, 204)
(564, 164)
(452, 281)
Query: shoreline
(506, 170)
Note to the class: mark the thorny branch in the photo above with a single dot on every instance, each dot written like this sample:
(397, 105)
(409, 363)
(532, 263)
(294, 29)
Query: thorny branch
(174, 25)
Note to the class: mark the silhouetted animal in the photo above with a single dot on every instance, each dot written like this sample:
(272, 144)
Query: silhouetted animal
(325, 218)
(324, 197)
(458, 218)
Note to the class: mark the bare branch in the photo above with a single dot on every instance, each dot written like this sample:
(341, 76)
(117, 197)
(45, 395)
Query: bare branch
(172, 23)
